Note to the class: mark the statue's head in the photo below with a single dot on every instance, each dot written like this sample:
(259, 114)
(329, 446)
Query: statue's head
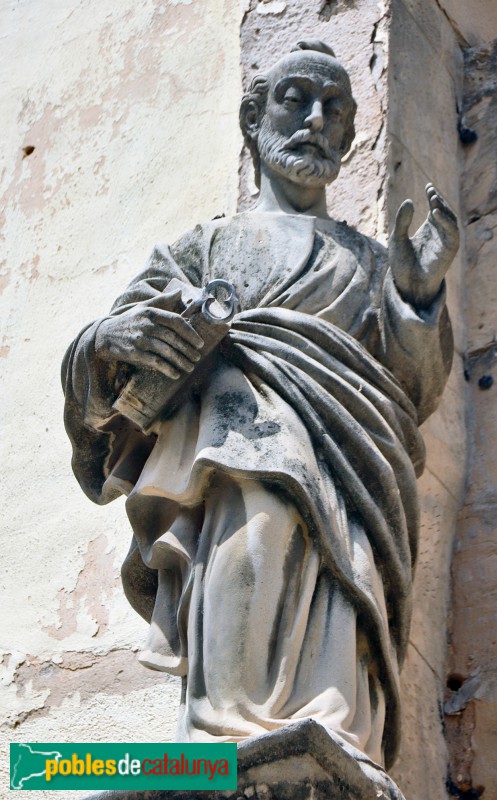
(298, 118)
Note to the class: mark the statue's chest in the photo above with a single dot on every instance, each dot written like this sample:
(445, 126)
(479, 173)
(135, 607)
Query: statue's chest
(245, 255)
(266, 259)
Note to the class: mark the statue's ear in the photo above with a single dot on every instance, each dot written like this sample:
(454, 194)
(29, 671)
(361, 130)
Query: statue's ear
(250, 117)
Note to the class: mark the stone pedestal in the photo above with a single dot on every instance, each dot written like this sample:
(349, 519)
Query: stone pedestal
(303, 761)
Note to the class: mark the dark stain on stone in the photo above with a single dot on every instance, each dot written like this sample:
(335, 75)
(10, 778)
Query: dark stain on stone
(466, 135)
(485, 382)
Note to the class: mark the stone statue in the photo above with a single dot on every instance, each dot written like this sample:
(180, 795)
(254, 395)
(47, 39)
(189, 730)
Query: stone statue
(273, 496)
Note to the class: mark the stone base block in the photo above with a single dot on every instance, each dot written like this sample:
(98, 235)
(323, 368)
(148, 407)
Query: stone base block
(303, 761)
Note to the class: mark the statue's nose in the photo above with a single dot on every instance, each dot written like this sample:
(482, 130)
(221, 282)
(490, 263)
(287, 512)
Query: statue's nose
(314, 120)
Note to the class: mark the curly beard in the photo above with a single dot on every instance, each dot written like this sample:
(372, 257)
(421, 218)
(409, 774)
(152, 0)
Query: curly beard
(295, 159)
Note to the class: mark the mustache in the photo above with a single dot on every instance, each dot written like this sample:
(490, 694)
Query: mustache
(314, 138)
(284, 156)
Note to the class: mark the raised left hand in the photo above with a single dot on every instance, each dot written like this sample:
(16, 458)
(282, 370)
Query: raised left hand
(419, 263)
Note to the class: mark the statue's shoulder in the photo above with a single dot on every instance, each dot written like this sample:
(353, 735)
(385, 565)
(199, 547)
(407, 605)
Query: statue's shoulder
(202, 231)
(193, 245)
(349, 236)
(370, 253)
(189, 252)
(184, 259)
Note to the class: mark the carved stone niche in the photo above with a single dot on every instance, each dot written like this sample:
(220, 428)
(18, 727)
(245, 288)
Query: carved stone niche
(270, 456)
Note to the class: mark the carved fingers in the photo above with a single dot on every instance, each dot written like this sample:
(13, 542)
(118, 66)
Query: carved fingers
(442, 216)
(401, 253)
(437, 240)
(403, 220)
(168, 343)
(419, 263)
(149, 336)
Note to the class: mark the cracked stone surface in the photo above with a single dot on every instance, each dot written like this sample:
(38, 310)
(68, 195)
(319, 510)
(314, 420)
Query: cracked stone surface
(358, 33)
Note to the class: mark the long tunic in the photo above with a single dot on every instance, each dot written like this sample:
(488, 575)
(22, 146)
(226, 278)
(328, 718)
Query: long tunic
(274, 511)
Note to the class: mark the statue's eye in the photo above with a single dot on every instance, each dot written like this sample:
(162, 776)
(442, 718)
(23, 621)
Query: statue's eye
(292, 98)
(332, 109)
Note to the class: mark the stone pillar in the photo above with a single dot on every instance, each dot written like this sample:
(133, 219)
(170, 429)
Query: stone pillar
(425, 86)
(471, 706)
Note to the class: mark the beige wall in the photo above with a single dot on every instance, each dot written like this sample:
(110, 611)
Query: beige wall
(132, 109)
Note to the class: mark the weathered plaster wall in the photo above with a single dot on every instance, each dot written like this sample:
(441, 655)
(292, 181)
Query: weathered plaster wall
(131, 109)
(471, 705)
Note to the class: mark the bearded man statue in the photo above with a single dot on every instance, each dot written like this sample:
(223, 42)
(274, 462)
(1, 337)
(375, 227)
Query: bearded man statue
(273, 501)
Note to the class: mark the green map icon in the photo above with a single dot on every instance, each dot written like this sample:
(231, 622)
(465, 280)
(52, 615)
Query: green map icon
(28, 763)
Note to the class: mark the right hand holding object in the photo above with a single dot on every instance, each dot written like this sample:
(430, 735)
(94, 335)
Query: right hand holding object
(148, 335)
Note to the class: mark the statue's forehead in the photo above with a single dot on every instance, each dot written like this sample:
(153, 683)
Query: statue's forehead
(314, 67)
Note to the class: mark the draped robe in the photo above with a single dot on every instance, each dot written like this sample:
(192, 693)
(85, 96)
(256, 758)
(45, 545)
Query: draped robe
(274, 509)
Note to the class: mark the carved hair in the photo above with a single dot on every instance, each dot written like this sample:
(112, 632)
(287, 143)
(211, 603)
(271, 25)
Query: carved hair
(254, 101)
(255, 98)
(314, 44)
